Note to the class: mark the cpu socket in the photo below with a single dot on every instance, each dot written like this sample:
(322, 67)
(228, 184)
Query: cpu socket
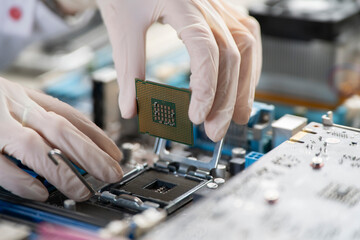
(169, 184)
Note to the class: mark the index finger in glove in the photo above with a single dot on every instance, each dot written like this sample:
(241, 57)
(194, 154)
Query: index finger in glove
(200, 42)
(249, 69)
(86, 126)
(61, 134)
(219, 118)
(127, 34)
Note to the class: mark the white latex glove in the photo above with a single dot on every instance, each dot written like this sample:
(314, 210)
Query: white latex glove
(224, 46)
(32, 124)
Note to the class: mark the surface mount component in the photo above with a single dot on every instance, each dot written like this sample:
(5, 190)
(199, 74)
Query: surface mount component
(163, 111)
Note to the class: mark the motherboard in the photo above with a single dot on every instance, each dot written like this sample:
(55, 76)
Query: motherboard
(307, 188)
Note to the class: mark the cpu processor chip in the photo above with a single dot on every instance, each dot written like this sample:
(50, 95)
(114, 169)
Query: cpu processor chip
(163, 111)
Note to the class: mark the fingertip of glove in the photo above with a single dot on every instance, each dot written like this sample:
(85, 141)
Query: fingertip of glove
(84, 195)
(41, 198)
(113, 174)
(76, 190)
(128, 109)
(128, 114)
(242, 118)
(215, 132)
(118, 155)
(117, 174)
(216, 138)
(216, 127)
(195, 119)
(196, 116)
(35, 192)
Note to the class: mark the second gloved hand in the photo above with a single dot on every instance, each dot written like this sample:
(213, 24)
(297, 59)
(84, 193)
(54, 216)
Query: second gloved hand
(224, 47)
(32, 124)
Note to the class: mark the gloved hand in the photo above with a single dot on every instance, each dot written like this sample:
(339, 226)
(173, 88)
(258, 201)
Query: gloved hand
(32, 124)
(224, 47)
